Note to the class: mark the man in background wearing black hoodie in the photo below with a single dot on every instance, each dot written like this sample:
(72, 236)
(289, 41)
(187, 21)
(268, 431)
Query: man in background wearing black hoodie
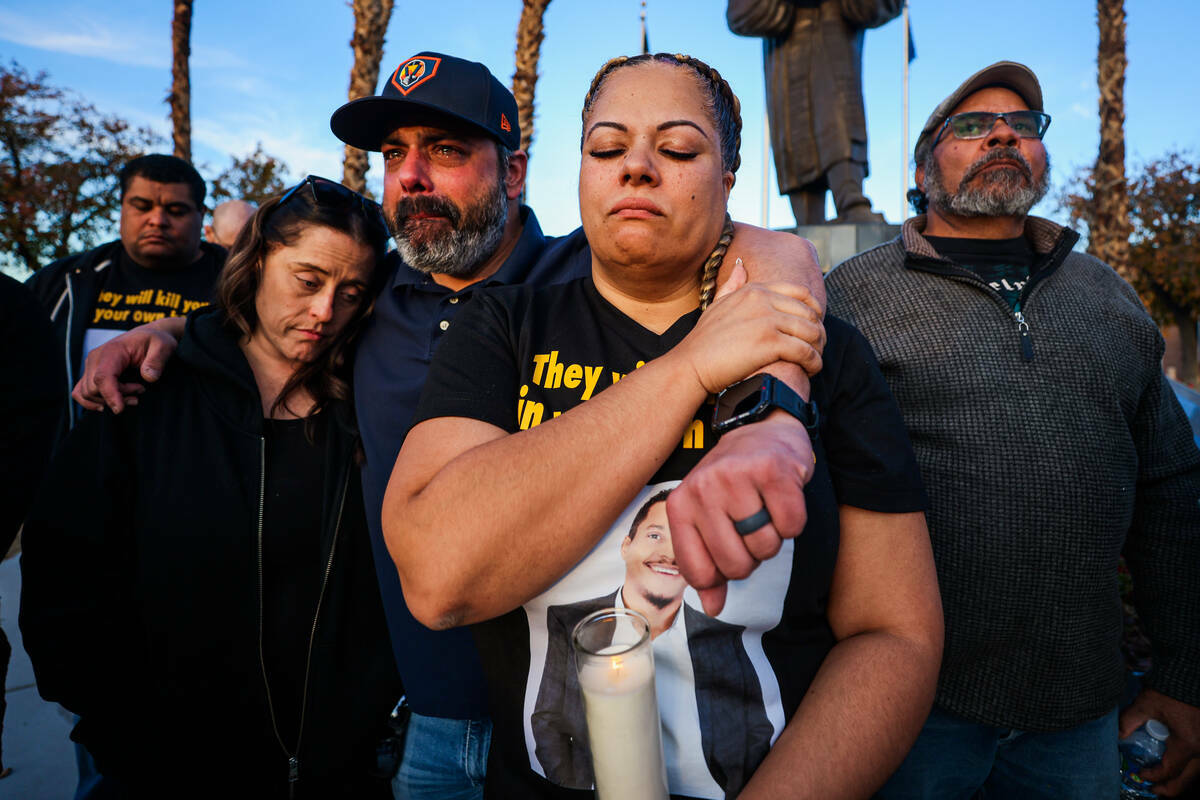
(158, 268)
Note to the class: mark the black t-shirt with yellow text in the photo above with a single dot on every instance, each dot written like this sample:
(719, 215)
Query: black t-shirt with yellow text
(517, 357)
(133, 295)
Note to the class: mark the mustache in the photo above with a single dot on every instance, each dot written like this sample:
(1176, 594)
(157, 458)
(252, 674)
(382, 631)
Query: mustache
(406, 207)
(999, 154)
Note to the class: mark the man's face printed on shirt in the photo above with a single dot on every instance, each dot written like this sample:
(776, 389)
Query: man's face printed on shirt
(651, 573)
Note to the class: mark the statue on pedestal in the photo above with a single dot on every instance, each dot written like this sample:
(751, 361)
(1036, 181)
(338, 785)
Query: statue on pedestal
(812, 54)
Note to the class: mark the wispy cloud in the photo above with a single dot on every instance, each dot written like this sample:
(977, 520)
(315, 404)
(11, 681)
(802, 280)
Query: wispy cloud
(1083, 111)
(250, 85)
(216, 58)
(79, 32)
(83, 36)
(238, 139)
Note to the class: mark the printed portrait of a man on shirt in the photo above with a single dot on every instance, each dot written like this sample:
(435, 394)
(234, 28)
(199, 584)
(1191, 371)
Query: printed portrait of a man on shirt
(710, 695)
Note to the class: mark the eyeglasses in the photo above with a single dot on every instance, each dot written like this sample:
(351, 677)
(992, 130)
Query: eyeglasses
(325, 191)
(978, 124)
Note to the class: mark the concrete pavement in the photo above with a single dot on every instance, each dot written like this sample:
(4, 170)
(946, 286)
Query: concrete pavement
(35, 732)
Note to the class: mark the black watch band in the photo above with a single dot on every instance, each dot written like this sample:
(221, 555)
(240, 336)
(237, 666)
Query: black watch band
(752, 399)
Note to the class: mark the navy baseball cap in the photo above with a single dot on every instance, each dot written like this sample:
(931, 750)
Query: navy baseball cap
(460, 89)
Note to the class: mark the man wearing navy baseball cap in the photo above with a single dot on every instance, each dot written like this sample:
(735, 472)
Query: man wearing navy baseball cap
(453, 168)
(453, 176)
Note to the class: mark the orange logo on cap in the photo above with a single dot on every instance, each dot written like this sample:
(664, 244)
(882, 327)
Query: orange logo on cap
(414, 72)
(504, 126)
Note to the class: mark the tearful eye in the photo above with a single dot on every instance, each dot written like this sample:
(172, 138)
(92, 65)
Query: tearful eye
(445, 152)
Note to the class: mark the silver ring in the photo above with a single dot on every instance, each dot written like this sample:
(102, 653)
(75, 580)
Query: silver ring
(753, 522)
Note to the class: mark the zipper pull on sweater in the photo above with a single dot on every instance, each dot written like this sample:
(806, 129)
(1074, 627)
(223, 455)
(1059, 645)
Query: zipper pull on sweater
(1026, 336)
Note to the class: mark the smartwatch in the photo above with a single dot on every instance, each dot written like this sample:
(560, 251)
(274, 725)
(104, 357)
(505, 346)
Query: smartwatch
(752, 399)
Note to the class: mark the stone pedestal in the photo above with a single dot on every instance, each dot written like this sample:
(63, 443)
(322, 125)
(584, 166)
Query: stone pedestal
(835, 242)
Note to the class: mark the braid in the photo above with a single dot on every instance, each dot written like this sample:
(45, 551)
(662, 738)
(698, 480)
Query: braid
(726, 109)
(708, 273)
(723, 104)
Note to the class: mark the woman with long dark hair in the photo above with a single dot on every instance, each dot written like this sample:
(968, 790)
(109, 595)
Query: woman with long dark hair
(198, 584)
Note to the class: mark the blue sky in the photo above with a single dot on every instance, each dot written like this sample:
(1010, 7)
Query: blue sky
(274, 72)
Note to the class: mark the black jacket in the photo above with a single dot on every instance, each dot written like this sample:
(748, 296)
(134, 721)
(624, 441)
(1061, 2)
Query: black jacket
(68, 289)
(141, 578)
(29, 403)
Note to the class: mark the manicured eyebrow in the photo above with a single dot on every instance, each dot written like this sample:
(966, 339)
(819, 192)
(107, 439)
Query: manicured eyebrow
(673, 123)
(677, 122)
(615, 125)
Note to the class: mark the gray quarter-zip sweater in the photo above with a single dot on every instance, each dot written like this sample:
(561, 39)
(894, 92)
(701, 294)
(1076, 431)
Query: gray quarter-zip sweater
(1049, 442)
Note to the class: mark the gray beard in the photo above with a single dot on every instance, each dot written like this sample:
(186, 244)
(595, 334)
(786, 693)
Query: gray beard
(997, 193)
(459, 253)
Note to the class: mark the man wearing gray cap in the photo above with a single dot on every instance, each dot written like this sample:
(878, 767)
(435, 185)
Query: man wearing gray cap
(1030, 380)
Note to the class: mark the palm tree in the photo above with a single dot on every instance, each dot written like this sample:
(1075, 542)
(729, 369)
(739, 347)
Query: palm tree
(1109, 232)
(529, 45)
(371, 19)
(180, 98)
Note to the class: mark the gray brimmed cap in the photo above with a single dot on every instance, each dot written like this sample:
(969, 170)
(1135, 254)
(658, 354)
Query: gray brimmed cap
(1008, 74)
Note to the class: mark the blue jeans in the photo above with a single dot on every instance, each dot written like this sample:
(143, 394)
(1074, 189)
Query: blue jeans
(444, 759)
(955, 759)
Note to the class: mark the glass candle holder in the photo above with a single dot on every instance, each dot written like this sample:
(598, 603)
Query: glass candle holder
(615, 660)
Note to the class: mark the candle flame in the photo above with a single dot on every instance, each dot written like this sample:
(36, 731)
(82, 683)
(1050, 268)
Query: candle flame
(616, 662)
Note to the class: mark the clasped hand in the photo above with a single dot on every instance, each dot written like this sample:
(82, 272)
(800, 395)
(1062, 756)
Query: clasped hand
(762, 465)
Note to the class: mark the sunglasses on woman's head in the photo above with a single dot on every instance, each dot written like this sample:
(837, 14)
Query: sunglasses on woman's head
(325, 191)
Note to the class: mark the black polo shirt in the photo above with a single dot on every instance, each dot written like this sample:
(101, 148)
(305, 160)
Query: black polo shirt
(440, 669)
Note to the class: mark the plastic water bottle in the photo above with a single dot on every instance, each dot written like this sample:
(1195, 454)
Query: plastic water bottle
(1142, 748)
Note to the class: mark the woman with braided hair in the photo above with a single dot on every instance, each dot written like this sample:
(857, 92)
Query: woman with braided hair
(550, 417)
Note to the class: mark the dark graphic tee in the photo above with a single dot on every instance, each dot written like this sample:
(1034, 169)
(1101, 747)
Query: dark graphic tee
(134, 295)
(1003, 264)
(518, 357)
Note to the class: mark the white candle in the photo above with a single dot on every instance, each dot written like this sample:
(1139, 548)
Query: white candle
(622, 721)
